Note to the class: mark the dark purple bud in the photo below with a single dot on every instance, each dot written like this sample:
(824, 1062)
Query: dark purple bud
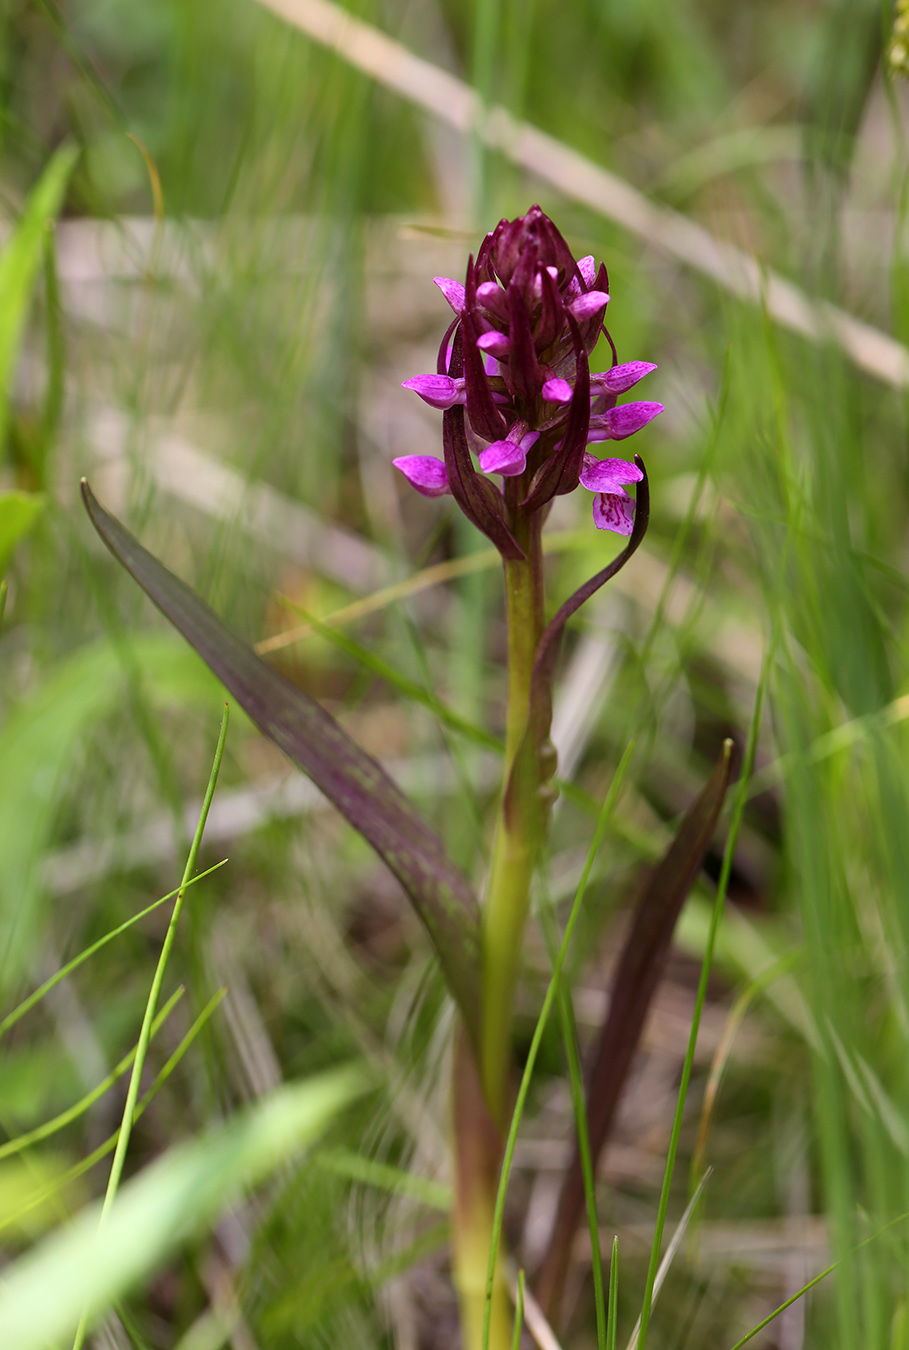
(424, 472)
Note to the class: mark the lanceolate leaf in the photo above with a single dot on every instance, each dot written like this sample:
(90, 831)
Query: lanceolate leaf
(638, 973)
(350, 778)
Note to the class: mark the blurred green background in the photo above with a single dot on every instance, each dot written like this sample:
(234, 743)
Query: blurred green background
(227, 373)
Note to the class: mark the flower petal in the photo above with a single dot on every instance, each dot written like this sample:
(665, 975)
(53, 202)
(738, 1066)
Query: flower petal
(587, 305)
(424, 472)
(557, 391)
(620, 378)
(453, 292)
(504, 457)
(439, 391)
(608, 475)
(613, 511)
(494, 343)
(588, 269)
(491, 296)
(617, 423)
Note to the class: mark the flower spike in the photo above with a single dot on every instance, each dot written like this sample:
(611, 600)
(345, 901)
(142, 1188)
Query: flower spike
(513, 383)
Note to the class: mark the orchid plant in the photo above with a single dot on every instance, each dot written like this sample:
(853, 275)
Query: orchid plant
(520, 409)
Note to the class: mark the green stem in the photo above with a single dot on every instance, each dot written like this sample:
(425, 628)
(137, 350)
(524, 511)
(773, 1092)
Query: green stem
(515, 847)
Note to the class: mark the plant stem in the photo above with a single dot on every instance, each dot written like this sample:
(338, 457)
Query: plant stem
(478, 1156)
(514, 848)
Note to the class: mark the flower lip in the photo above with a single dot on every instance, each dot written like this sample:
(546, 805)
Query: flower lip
(613, 511)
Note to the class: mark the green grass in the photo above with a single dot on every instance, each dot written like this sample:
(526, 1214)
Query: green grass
(778, 542)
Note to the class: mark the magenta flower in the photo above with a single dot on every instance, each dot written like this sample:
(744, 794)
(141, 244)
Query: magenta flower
(513, 382)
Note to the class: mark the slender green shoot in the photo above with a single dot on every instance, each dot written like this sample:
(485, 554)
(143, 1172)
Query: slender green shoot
(86, 1164)
(542, 1020)
(671, 1251)
(738, 812)
(345, 1163)
(613, 1314)
(4, 589)
(518, 1313)
(132, 1095)
(24, 1141)
(12, 1018)
(901, 1218)
(411, 689)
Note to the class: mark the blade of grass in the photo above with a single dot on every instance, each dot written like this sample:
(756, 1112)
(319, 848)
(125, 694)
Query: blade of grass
(436, 575)
(18, 1012)
(816, 1280)
(417, 693)
(738, 811)
(132, 1095)
(4, 589)
(79, 1108)
(87, 1265)
(670, 1252)
(86, 1164)
(613, 1313)
(394, 1180)
(542, 1020)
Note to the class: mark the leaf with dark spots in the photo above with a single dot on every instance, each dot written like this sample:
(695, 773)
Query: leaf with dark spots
(638, 972)
(351, 779)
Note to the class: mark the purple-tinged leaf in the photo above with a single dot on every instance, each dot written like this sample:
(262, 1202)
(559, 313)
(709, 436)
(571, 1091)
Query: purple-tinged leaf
(561, 471)
(525, 376)
(476, 496)
(638, 972)
(351, 779)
